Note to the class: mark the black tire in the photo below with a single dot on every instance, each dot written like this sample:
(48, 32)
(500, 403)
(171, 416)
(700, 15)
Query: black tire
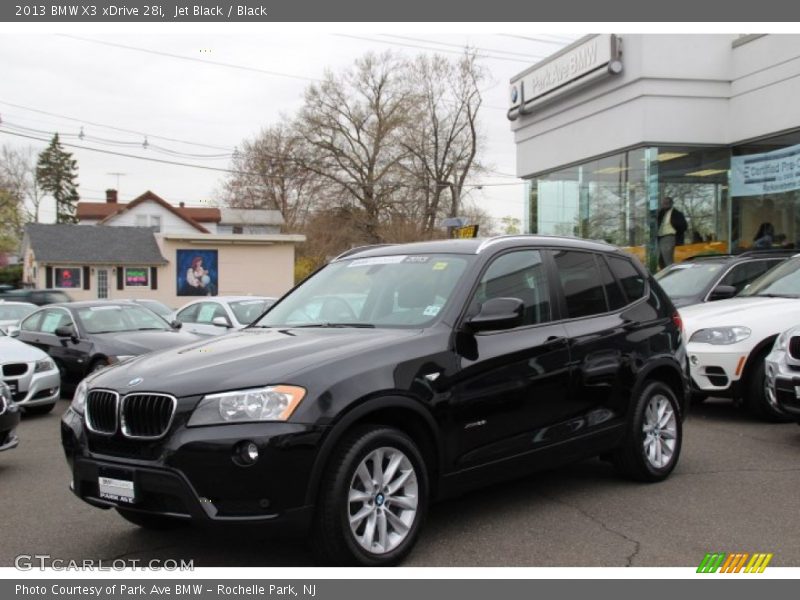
(631, 458)
(151, 521)
(38, 410)
(756, 399)
(333, 541)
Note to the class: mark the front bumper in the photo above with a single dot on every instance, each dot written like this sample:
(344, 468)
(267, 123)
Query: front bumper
(783, 383)
(716, 370)
(36, 389)
(191, 474)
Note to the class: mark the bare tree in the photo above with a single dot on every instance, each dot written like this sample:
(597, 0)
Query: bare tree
(442, 135)
(353, 122)
(18, 177)
(270, 173)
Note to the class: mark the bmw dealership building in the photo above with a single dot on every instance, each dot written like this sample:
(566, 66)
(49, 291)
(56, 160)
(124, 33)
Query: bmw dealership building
(608, 126)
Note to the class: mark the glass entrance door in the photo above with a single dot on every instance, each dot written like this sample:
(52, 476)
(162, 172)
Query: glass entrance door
(102, 283)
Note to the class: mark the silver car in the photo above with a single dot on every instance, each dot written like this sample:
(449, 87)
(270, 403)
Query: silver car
(11, 313)
(215, 315)
(31, 375)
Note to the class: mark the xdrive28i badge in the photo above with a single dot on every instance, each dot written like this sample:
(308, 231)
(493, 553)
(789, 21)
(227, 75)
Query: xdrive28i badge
(135, 381)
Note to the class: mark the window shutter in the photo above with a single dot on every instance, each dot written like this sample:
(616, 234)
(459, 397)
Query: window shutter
(48, 277)
(120, 278)
(153, 278)
(86, 281)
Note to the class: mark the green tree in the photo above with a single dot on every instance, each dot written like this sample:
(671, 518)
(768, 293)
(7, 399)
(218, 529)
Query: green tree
(56, 173)
(10, 221)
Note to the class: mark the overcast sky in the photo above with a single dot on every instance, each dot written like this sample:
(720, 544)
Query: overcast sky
(146, 87)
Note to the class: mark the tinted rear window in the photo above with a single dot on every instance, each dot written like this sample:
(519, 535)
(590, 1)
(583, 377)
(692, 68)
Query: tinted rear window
(581, 282)
(631, 279)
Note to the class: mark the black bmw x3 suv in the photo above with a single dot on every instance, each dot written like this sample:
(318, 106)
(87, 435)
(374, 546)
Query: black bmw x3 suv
(392, 377)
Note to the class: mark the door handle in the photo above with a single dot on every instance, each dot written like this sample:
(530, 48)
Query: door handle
(555, 339)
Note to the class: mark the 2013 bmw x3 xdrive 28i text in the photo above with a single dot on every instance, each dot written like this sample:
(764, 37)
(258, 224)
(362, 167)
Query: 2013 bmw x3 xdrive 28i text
(394, 376)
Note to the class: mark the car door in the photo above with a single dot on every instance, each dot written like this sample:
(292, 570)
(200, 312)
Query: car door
(69, 354)
(512, 383)
(599, 344)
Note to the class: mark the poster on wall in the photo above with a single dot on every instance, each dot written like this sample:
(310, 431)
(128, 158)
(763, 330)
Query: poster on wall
(68, 278)
(766, 173)
(197, 272)
(136, 277)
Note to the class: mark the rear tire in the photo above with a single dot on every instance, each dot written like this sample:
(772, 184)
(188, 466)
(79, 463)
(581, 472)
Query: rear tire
(151, 521)
(652, 443)
(756, 400)
(372, 500)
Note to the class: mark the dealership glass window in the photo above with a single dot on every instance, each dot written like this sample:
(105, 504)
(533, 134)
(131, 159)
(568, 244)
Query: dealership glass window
(67, 277)
(616, 199)
(137, 277)
(765, 191)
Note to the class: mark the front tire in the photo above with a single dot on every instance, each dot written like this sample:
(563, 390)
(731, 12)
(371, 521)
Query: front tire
(151, 521)
(652, 443)
(373, 499)
(757, 400)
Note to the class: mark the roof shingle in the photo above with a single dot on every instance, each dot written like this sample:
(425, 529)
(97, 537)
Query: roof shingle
(88, 244)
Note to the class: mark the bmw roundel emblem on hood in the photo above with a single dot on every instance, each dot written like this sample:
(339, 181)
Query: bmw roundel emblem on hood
(135, 381)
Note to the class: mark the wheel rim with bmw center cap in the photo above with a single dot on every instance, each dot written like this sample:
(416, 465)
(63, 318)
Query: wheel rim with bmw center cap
(382, 500)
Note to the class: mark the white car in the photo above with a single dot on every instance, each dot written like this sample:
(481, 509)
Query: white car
(11, 313)
(783, 374)
(728, 340)
(215, 315)
(31, 374)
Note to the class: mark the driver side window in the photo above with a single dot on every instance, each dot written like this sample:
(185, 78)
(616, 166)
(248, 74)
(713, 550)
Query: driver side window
(517, 275)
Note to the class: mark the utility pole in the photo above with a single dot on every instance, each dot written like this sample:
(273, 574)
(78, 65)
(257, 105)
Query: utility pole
(117, 175)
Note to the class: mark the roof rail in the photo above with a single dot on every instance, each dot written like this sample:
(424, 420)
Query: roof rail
(347, 253)
(769, 252)
(500, 238)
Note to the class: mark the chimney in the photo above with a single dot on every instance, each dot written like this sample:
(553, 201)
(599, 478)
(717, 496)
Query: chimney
(182, 204)
(111, 196)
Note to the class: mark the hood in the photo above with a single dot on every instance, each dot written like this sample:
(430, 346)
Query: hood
(247, 358)
(12, 350)
(749, 311)
(141, 342)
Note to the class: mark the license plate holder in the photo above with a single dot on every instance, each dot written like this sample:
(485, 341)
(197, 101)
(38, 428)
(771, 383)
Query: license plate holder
(14, 387)
(119, 488)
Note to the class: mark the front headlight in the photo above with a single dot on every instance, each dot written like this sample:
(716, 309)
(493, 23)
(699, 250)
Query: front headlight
(721, 335)
(46, 364)
(79, 399)
(271, 403)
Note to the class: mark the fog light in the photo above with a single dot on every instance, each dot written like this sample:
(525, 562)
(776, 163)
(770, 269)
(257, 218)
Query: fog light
(694, 359)
(245, 453)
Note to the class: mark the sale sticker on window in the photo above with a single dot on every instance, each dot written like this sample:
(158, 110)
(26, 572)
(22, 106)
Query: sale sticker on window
(431, 311)
(377, 260)
(439, 266)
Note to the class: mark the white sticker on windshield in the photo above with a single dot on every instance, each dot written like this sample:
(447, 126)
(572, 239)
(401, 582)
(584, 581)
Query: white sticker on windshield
(110, 307)
(248, 302)
(431, 311)
(684, 266)
(376, 260)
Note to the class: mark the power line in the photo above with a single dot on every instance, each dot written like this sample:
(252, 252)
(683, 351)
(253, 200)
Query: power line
(462, 46)
(222, 170)
(189, 58)
(358, 37)
(560, 42)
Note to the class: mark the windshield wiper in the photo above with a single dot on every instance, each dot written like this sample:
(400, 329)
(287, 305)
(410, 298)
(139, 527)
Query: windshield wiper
(332, 325)
(778, 295)
(150, 329)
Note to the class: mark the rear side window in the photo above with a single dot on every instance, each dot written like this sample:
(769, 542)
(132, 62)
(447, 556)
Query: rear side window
(616, 299)
(582, 283)
(632, 281)
(740, 275)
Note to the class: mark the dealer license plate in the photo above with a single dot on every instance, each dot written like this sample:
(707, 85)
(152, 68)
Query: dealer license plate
(118, 490)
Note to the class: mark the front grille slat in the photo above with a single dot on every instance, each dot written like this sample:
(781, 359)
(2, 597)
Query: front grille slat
(101, 411)
(147, 415)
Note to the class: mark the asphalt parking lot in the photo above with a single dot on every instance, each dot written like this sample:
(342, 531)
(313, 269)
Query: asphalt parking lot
(736, 488)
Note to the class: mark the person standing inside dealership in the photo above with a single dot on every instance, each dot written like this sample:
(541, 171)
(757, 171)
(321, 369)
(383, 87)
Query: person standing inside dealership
(671, 230)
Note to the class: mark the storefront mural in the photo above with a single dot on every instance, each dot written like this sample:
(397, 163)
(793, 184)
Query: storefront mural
(197, 272)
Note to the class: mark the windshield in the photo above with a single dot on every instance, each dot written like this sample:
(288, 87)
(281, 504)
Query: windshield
(782, 281)
(119, 317)
(161, 310)
(15, 312)
(247, 311)
(381, 291)
(688, 279)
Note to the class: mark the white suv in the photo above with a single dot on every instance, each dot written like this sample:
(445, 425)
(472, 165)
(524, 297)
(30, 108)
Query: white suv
(728, 340)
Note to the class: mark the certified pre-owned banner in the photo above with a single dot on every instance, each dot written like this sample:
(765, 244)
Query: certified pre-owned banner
(406, 11)
(766, 173)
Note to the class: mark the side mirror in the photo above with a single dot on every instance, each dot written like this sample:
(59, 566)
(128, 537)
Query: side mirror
(12, 331)
(176, 324)
(221, 322)
(721, 292)
(64, 331)
(497, 314)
